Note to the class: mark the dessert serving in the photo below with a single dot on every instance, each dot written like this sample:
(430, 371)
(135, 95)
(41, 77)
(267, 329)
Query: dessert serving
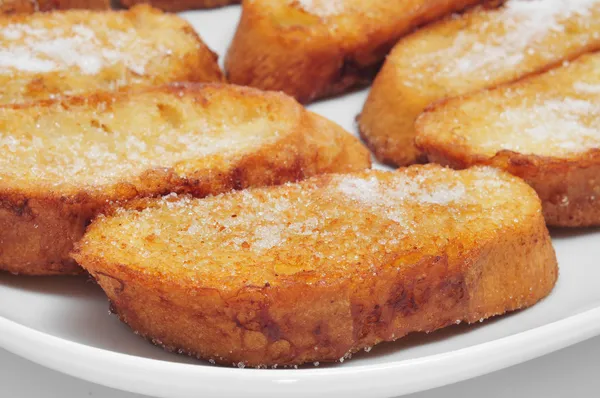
(544, 129)
(479, 49)
(238, 227)
(317, 48)
(317, 270)
(46, 55)
(64, 161)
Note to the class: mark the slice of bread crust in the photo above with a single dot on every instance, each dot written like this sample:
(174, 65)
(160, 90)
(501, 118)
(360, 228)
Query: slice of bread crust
(480, 49)
(29, 6)
(320, 48)
(45, 55)
(544, 129)
(64, 161)
(318, 270)
(180, 5)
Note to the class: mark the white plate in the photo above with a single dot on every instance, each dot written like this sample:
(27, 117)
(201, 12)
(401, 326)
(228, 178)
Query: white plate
(62, 323)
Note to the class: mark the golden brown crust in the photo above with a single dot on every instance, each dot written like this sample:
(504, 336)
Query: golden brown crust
(152, 48)
(461, 55)
(300, 317)
(28, 6)
(40, 223)
(569, 188)
(283, 47)
(458, 133)
(180, 5)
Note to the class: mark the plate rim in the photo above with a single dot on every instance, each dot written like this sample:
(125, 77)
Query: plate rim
(118, 370)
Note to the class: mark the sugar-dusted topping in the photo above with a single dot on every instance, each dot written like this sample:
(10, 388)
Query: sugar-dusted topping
(381, 197)
(45, 55)
(546, 127)
(89, 47)
(586, 88)
(330, 225)
(552, 114)
(507, 38)
(93, 148)
(322, 8)
(371, 193)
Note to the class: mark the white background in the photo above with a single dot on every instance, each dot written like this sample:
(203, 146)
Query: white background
(573, 372)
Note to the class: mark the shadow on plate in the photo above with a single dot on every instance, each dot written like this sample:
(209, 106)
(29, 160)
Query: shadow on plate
(75, 309)
(79, 313)
(572, 233)
(68, 286)
(414, 340)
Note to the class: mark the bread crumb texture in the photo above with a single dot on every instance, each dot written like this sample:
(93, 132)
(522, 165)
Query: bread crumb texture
(517, 32)
(47, 54)
(255, 237)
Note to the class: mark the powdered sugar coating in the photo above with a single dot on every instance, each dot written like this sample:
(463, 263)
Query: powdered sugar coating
(381, 198)
(587, 88)
(323, 8)
(118, 141)
(39, 49)
(319, 228)
(555, 114)
(497, 42)
(551, 127)
(73, 52)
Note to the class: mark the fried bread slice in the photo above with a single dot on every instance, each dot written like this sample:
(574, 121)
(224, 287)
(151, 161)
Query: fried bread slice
(29, 6)
(180, 5)
(544, 129)
(45, 55)
(63, 161)
(480, 49)
(317, 48)
(317, 270)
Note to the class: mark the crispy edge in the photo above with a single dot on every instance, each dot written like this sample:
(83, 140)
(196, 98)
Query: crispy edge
(180, 5)
(568, 187)
(387, 121)
(200, 65)
(29, 6)
(86, 4)
(38, 227)
(293, 323)
(310, 62)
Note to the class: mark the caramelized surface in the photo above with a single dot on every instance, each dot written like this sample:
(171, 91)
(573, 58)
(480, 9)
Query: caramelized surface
(556, 114)
(47, 54)
(479, 49)
(180, 5)
(64, 161)
(73, 146)
(312, 49)
(323, 229)
(29, 6)
(487, 48)
(544, 129)
(318, 270)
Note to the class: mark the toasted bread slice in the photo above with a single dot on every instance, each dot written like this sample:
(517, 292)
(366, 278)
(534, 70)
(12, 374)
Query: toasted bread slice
(64, 161)
(318, 270)
(544, 129)
(480, 49)
(45, 55)
(29, 6)
(180, 5)
(317, 48)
